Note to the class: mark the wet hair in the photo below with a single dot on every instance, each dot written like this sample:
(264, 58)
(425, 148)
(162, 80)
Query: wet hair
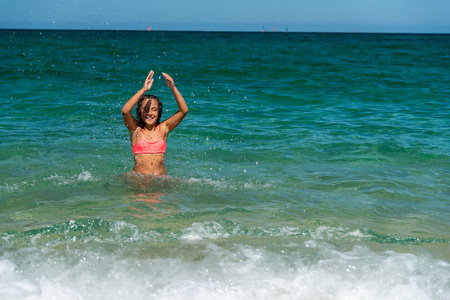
(139, 108)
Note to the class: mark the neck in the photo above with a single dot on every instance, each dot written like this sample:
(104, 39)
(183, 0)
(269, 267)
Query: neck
(150, 127)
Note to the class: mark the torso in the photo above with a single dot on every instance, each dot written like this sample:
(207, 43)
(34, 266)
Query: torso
(149, 164)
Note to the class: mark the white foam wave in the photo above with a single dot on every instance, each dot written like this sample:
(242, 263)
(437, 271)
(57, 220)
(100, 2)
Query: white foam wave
(85, 176)
(200, 231)
(213, 272)
(215, 230)
(10, 187)
(208, 181)
(251, 185)
(326, 232)
(58, 180)
(67, 180)
(222, 184)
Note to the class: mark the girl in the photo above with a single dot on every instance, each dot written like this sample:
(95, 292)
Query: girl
(149, 135)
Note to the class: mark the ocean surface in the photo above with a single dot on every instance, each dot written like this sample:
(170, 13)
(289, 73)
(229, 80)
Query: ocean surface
(310, 166)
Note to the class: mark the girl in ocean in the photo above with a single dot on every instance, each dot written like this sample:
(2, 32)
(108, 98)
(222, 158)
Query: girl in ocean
(149, 135)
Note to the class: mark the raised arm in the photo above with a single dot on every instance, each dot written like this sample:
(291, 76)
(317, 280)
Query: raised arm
(127, 109)
(177, 117)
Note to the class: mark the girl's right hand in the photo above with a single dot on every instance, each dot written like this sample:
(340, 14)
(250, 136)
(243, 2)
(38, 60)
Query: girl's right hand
(148, 81)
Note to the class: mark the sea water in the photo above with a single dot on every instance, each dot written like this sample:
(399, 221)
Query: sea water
(310, 166)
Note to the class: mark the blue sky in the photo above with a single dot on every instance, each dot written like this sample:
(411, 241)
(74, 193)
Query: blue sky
(421, 16)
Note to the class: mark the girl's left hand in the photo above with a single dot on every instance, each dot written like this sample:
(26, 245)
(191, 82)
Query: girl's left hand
(169, 81)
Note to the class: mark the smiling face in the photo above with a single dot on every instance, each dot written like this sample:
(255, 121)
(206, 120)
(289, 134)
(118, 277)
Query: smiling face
(145, 111)
(150, 111)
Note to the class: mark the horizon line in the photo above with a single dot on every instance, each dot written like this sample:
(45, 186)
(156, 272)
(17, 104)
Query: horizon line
(226, 31)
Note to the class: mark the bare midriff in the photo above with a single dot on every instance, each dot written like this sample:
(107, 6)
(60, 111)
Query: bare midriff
(150, 164)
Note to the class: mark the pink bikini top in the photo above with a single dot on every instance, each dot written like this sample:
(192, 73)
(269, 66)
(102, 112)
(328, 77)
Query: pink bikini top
(146, 147)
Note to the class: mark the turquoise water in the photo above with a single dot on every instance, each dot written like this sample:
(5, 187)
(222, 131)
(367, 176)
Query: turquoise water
(310, 166)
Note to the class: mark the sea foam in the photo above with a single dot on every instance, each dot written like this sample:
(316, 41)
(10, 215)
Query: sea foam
(214, 272)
